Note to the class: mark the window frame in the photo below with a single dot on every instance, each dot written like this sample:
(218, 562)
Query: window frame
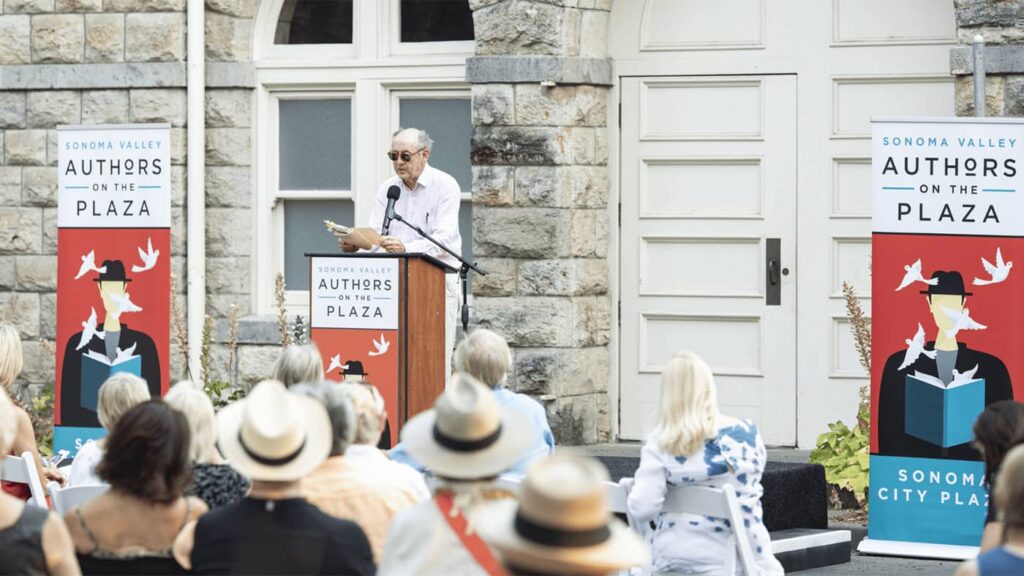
(391, 33)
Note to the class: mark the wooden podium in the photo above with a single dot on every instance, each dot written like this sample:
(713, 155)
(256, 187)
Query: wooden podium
(387, 313)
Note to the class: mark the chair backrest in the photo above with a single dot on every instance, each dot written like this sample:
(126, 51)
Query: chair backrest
(67, 499)
(22, 469)
(617, 495)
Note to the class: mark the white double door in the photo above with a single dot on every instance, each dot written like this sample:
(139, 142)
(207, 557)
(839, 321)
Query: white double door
(708, 243)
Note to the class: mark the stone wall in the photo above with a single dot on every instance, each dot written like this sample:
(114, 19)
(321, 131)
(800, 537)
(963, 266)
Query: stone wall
(999, 22)
(540, 188)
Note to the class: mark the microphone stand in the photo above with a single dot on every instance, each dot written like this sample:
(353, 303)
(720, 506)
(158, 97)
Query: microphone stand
(463, 270)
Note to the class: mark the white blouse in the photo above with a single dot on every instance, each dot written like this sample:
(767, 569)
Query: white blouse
(690, 543)
(83, 467)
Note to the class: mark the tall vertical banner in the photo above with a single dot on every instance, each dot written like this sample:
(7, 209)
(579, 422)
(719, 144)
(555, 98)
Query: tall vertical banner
(947, 323)
(113, 267)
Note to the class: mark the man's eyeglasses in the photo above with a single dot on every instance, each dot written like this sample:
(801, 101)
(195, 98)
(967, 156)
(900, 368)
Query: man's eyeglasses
(404, 155)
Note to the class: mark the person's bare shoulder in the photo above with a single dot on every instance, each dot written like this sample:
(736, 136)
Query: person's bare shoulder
(969, 568)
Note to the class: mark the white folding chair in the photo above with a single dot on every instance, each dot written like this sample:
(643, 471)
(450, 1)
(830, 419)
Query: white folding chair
(716, 502)
(67, 499)
(22, 469)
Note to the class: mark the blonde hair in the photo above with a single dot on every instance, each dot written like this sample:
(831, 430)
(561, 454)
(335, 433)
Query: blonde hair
(117, 395)
(369, 409)
(187, 398)
(298, 364)
(688, 412)
(8, 422)
(11, 359)
(485, 356)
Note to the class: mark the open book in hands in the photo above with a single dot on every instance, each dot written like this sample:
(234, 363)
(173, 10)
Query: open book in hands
(362, 238)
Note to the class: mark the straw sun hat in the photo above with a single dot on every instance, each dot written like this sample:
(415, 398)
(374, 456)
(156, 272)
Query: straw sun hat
(274, 435)
(562, 524)
(467, 435)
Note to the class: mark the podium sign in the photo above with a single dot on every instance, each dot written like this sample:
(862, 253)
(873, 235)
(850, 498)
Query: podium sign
(947, 323)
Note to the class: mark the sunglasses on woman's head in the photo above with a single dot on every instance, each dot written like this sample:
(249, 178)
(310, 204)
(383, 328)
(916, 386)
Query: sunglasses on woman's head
(404, 155)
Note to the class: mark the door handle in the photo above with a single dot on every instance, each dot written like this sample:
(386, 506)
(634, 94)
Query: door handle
(773, 264)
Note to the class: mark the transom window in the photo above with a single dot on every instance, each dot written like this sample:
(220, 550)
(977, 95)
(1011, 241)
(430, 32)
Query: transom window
(314, 22)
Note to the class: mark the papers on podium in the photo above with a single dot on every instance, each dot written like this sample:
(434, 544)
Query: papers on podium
(96, 368)
(362, 238)
(942, 414)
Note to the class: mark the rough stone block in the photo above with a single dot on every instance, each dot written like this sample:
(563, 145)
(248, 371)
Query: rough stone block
(10, 185)
(48, 315)
(228, 38)
(37, 370)
(49, 231)
(256, 363)
(179, 233)
(51, 147)
(12, 110)
(588, 186)
(159, 105)
(227, 275)
(15, 34)
(25, 147)
(22, 310)
(104, 37)
(987, 13)
(7, 272)
(262, 329)
(58, 38)
(593, 33)
(27, 6)
(179, 145)
(228, 108)
(493, 186)
(543, 186)
(39, 186)
(519, 27)
(995, 96)
(1013, 96)
(241, 8)
(521, 232)
(218, 305)
(36, 273)
(179, 177)
(156, 37)
(478, 4)
(228, 232)
(589, 233)
(562, 277)
(228, 147)
(500, 279)
(604, 418)
(493, 104)
(145, 5)
(105, 107)
(527, 321)
(573, 419)
(516, 146)
(538, 105)
(79, 6)
(592, 321)
(561, 371)
(52, 107)
(20, 230)
(228, 186)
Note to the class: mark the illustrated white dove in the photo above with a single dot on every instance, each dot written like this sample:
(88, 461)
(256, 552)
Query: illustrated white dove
(999, 272)
(913, 274)
(89, 330)
(89, 265)
(963, 377)
(148, 258)
(124, 304)
(915, 348)
(335, 363)
(125, 354)
(381, 346)
(961, 321)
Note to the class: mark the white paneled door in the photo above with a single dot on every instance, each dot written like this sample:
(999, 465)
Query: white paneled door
(708, 243)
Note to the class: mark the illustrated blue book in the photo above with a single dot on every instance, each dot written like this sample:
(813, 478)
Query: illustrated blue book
(942, 414)
(96, 368)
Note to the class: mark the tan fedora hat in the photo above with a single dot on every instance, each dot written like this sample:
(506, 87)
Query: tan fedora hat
(467, 434)
(562, 524)
(274, 435)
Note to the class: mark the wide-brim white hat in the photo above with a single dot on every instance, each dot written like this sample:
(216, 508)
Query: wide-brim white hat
(467, 435)
(561, 523)
(274, 435)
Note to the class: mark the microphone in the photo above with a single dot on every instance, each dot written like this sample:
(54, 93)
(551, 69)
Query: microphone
(393, 193)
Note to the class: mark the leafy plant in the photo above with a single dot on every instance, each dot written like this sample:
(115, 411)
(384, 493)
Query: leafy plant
(282, 314)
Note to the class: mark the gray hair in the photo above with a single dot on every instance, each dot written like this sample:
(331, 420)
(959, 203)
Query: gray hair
(339, 409)
(423, 140)
(298, 364)
(118, 394)
(369, 411)
(187, 398)
(485, 356)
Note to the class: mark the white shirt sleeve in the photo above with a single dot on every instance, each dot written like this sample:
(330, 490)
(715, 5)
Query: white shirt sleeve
(650, 485)
(380, 203)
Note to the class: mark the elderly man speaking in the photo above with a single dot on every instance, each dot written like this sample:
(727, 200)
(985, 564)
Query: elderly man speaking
(430, 199)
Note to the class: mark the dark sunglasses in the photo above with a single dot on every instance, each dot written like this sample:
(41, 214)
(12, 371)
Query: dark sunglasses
(405, 155)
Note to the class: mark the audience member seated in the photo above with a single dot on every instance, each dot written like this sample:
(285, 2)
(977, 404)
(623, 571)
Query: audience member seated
(117, 395)
(486, 357)
(562, 523)
(367, 493)
(1008, 558)
(998, 429)
(352, 371)
(214, 482)
(11, 363)
(33, 540)
(276, 438)
(692, 443)
(298, 364)
(130, 528)
(467, 440)
(371, 416)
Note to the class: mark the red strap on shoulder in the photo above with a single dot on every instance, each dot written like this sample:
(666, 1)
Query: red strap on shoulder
(476, 547)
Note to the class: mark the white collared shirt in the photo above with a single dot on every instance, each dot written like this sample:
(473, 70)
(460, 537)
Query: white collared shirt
(433, 206)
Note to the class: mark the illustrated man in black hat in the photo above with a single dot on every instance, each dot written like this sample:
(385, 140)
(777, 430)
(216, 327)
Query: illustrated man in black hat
(353, 372)
(112, 285)
(945, 299)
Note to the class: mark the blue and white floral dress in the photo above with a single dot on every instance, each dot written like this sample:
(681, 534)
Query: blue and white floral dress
(688, 543)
